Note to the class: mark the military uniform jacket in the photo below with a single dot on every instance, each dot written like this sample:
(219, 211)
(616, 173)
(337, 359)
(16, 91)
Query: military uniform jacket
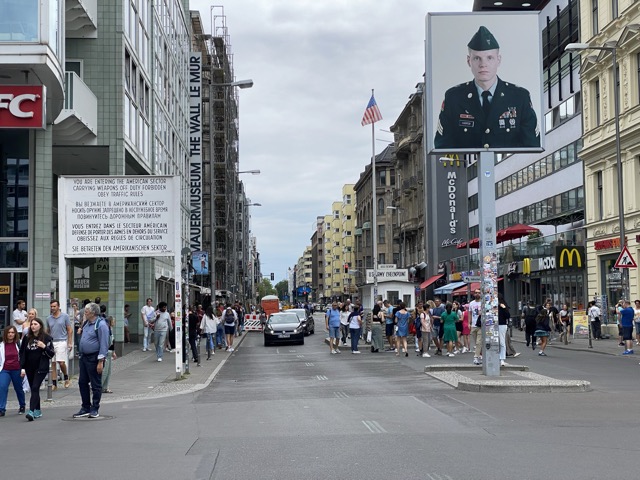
(511, 122)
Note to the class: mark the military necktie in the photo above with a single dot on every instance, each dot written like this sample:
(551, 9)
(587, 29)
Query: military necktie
(486, 104)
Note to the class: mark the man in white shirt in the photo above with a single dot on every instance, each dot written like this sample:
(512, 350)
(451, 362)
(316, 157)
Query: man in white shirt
(594, 317)
(19, 316)
(147, 313)
(475, 307)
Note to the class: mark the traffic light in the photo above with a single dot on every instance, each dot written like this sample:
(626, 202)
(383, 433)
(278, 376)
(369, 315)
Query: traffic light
(273, 277)
(346, 268)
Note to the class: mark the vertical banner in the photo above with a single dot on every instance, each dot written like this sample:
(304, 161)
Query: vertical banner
(195, 151)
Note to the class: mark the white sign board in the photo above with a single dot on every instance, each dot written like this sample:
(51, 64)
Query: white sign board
(119, 216)
(387, 266)
(399, 275)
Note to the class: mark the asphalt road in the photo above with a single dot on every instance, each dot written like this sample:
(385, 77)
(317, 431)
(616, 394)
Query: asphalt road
(297, 412)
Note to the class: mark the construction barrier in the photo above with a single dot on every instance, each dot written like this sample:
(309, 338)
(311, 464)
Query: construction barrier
(252, 323)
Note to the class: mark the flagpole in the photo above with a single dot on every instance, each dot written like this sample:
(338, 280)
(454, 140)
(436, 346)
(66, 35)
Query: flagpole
(374, 227)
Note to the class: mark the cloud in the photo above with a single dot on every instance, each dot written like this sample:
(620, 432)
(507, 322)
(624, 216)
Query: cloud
(314, 65)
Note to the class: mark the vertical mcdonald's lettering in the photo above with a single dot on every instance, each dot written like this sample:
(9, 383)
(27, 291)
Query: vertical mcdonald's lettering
(570, 257)
(526, 266)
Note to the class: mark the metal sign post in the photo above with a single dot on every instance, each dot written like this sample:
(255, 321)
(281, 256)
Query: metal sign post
(488, 264)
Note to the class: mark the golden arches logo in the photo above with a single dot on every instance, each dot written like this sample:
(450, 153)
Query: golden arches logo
(526, 266)
(568, 255)
(451, 159)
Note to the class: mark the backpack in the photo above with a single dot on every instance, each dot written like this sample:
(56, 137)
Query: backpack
(229, 318)
(541, 318)
(530, 314)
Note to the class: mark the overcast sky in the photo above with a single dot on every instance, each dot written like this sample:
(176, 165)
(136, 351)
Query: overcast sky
(314, 64)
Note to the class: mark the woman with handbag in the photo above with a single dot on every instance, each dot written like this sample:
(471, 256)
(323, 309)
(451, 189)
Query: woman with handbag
(209, 325)
(10, 368)
(36, 351)
(377, 320)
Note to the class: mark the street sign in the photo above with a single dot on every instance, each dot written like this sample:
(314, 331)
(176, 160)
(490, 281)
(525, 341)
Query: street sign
(625, 260)
(470, 278)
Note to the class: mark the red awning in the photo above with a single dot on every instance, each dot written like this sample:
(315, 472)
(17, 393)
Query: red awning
(463, 290)
(515, 231)
(429, 281)
(474, 243)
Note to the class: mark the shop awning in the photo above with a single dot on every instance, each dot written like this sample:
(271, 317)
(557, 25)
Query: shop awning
(463, 290)
(429, 281)
(447, 289)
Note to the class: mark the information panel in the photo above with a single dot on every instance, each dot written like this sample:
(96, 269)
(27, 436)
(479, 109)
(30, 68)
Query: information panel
(119, 216)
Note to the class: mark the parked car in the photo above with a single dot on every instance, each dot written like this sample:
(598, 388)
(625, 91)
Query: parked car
(307, 318)
(284, 327)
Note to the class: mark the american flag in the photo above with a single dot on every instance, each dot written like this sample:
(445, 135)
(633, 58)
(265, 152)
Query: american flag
(372, 113)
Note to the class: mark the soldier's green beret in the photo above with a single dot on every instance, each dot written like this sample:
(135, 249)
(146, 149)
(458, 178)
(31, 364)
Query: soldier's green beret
(483, 40)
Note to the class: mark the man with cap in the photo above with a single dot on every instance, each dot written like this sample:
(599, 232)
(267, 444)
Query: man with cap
(486, 112)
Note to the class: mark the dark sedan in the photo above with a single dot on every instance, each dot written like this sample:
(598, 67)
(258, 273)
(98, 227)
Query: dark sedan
(284, 327)
(307, 318)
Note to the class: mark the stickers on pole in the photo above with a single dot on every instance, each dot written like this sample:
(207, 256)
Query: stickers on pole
(625, 260)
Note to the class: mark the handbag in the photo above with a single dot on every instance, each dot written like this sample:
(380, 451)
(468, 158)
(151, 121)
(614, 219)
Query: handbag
(369, 336)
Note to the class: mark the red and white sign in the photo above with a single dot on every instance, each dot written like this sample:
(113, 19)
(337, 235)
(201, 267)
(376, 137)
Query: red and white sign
(625, 260)
(22, 106)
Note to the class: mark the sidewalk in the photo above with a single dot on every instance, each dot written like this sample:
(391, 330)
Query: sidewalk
(137, 375)
(606, 347)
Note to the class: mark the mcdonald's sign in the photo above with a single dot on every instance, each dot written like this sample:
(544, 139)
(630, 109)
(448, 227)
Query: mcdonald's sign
(526, 266)
(570, 257)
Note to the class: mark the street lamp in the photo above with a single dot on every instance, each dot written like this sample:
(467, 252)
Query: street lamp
(252, 172)
(248, 83)
(612, 47)
(398, 210)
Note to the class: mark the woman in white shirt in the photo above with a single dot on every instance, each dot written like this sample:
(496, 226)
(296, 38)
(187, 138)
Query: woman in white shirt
(344, 323)
(209, 325)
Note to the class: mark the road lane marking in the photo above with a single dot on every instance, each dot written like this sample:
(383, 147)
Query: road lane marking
(340, 395)
(309, 364)
(373, 426)
(321, 377)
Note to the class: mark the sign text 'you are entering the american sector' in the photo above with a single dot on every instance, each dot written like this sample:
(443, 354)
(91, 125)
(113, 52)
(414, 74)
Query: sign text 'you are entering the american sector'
(119, 216)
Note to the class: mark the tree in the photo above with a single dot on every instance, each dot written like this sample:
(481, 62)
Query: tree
(265, 288)
(282, 287)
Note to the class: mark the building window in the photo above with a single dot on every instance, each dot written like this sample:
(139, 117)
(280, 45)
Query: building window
(594, 17)
(381, 259)
(381, 206)
(381, 234)
(382, 178)
(596, 96)
(392, 177)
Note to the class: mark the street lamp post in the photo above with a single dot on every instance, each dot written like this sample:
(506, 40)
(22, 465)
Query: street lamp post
(400, 231)
(612, 47)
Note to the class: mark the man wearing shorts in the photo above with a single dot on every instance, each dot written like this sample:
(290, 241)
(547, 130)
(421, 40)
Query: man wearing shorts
(475, 307)
(61, 329)
(332, 319)
(626, 324)
(437, 332)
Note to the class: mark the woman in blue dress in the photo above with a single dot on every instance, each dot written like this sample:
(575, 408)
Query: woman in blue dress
(402, 325)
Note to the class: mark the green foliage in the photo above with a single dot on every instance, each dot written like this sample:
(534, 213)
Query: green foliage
(265, 288)
(282, 287)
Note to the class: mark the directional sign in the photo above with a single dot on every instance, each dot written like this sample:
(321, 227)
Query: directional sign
(625, 260)
(470, 278)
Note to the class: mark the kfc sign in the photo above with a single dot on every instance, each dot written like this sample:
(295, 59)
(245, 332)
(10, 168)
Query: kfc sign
(22, 106)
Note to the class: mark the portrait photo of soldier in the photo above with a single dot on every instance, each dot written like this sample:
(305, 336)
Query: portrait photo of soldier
(485, 112)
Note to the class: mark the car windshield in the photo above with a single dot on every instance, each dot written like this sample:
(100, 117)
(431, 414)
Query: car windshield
(284, 318)
(298, 311)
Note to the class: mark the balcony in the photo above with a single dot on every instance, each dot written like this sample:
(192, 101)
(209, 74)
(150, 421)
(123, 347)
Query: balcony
(81, 18)
(78, 122)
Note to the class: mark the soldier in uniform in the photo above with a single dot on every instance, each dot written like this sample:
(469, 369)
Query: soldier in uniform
(486, 112)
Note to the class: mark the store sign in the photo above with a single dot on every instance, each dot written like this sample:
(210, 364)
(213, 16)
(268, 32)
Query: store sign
(22, 106)
(195, 151)
(607, 244)
(399, 275)
(570, 257)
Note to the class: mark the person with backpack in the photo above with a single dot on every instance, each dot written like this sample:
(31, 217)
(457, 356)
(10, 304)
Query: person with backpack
(210, 327)
(36, 350)
(529, 314)
(93, 350)
(230, 317)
